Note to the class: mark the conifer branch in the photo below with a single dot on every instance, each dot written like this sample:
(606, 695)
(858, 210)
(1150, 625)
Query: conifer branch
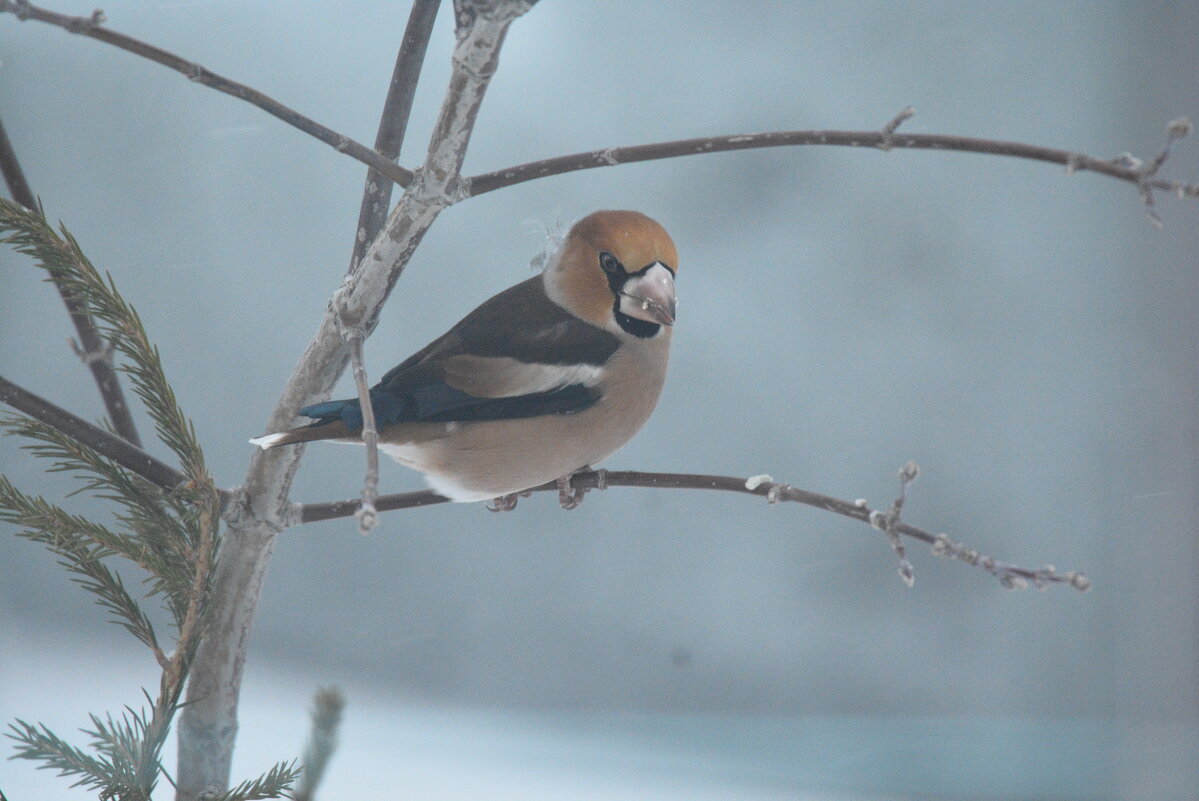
(91, 348)
(170, 531)
(28, 231)
(97, 439)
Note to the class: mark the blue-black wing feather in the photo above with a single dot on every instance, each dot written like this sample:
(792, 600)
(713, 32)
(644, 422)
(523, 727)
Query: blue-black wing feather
(519, 323)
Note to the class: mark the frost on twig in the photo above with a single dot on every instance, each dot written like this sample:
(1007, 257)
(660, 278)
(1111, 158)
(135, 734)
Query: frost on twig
(886, 521)
(1176, 129)
(1010, 576)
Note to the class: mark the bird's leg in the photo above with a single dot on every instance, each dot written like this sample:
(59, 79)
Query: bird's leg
(504, 503)
(569, 497)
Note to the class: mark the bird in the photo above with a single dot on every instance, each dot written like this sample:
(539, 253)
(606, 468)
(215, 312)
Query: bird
(543, 380)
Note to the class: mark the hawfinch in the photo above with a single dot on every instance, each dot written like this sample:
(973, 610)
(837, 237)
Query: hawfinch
(546, 378)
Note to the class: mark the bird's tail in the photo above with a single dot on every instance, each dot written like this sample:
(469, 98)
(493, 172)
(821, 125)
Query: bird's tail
(330, 423)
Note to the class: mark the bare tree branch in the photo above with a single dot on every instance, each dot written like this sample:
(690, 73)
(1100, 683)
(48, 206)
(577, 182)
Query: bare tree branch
(14, 176)
(150, 468)
(102, 442)
(376, 197)
(1011, 576)
(322, 741)
(367, 516)
(881, 139)
(91, 349)
(91, 27)
(255, 517)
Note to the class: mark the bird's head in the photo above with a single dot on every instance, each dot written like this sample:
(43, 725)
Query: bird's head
(616, 270)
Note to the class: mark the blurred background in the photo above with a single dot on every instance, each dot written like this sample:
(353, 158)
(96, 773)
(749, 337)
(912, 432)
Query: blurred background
(1027, 337)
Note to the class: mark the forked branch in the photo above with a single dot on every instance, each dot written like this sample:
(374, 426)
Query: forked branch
(1010, 575)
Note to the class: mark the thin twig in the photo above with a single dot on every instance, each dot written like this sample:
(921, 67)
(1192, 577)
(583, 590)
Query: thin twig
(1177, 129)
(102, 442)
(1010, 575)
(888, 522)
(882, 139)
(91, 349)
(906, 113)
(91, 28)
(376, 196)
(366, 515)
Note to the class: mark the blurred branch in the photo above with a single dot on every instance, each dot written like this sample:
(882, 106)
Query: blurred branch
(884, 139)
(322, 741)
(1010, 575)
(102, 442)
(376, 196)
(259, 512)
(92, 28)
(91, 349)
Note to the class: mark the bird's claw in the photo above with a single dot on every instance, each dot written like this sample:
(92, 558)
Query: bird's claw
(504, 503)
(569, 497)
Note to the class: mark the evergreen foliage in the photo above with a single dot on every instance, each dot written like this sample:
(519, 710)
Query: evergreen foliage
(170, 534)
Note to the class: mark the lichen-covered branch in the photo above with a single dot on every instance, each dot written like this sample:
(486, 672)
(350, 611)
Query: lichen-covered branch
(259, 512)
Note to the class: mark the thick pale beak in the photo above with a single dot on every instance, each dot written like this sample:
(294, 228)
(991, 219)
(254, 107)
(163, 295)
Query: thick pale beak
(650, 296)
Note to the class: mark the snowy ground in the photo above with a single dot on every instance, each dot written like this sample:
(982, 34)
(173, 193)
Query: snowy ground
(392, 747)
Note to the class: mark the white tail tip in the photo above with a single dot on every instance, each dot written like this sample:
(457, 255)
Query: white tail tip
(268, 440)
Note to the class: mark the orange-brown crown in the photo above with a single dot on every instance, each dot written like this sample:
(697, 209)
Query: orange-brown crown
(577, 281)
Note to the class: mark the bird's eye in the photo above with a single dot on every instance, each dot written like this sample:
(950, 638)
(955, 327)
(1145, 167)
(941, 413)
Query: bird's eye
(610, 263)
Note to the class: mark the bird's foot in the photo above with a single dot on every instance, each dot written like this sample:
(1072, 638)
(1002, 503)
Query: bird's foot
(505, 503)
(570, 497)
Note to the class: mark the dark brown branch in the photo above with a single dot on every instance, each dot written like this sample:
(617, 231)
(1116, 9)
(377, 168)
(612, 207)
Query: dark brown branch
(91, 28)
(882, 139)
(14, 176)
(376, 197)
(102, 442)
(1010, 575)
(91, 349)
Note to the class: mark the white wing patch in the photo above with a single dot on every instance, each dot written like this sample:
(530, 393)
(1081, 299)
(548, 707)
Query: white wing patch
(504, 377)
